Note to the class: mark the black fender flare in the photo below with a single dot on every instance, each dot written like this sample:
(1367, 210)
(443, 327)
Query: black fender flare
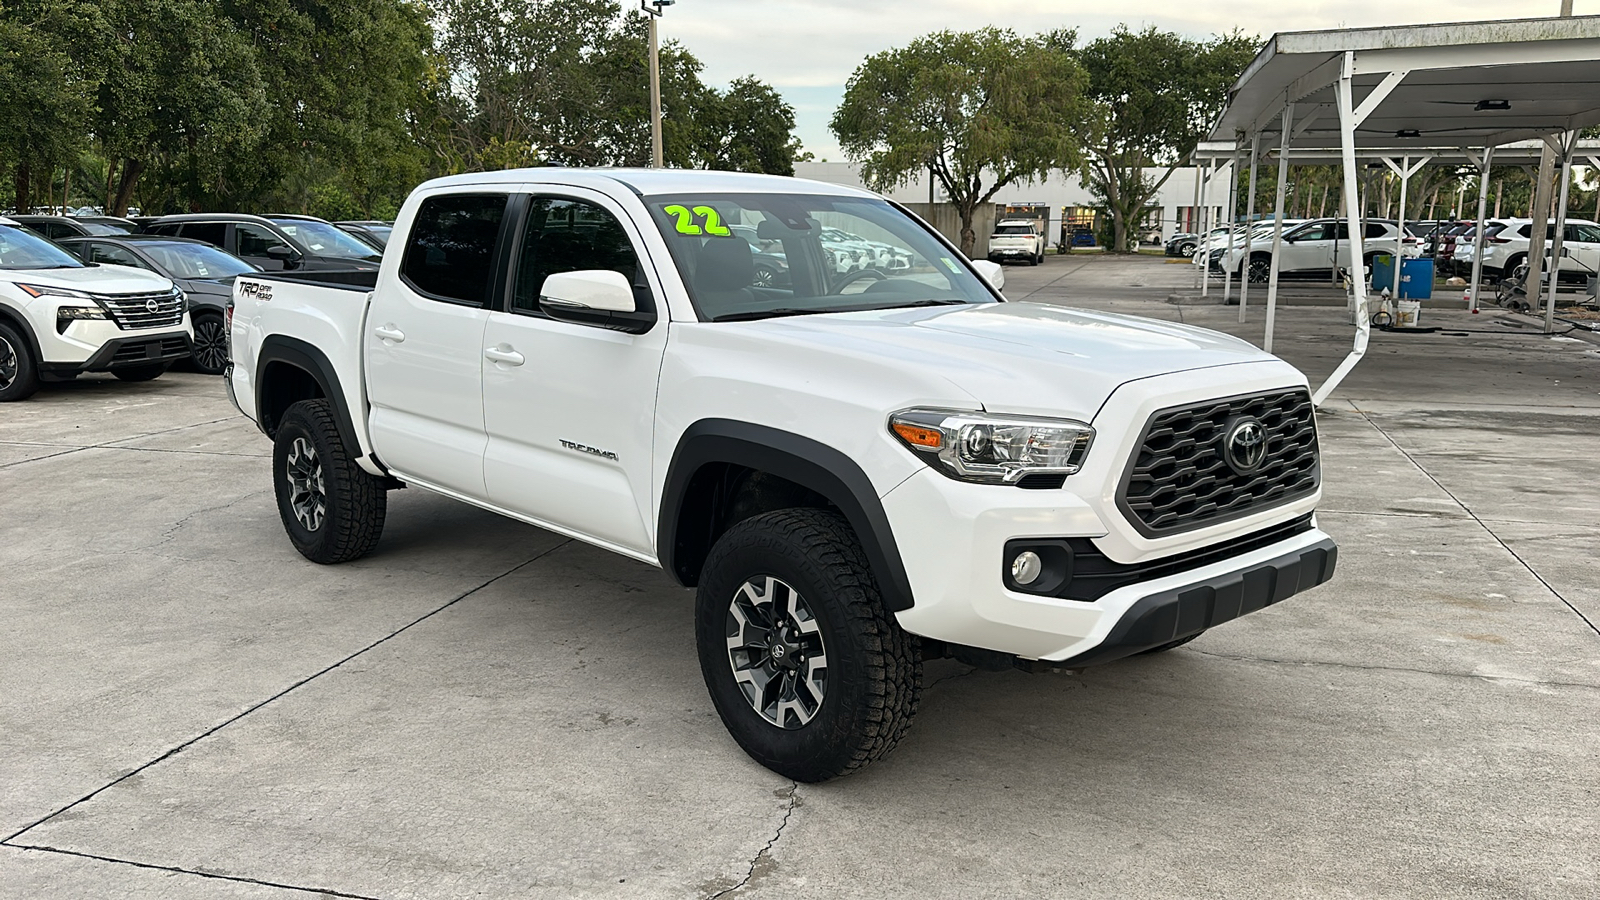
(279, 348)
(20, 322)
(805, 462)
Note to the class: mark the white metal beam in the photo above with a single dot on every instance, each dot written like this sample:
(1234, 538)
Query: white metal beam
(1353, 209)
(1369, 62)
(1277, 229)
(1250, 222)
(1378, 95)
(1477, 231)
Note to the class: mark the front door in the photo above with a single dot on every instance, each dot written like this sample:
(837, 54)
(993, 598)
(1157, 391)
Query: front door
(424, 343)
(570, 408)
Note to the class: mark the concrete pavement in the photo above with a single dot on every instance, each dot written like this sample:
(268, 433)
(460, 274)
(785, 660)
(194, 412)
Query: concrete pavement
(484, 709)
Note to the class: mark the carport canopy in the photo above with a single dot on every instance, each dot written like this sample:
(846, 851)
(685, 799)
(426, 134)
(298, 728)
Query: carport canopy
(1418, 91)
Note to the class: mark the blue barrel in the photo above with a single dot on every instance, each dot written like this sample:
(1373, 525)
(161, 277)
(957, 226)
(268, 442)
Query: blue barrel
(1416, 276)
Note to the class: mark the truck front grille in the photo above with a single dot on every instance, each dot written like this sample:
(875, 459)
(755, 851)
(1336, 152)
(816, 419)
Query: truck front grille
(134, 311)
(1182, 476)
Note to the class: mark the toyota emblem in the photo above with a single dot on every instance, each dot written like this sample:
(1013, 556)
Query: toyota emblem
(1246, 446)
(152, 306)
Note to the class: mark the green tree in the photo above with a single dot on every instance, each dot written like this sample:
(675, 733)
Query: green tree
(1154, 95)
(980, 110)
(45, 95)
(748, 128)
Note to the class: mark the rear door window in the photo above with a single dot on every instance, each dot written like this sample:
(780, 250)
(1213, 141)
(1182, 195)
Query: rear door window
(214, 233)
(450, 253)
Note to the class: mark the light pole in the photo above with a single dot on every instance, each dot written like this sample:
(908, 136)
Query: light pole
(655, 8)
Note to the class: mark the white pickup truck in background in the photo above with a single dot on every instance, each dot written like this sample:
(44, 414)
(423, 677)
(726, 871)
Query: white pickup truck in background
(1019, 239)
(856, 470)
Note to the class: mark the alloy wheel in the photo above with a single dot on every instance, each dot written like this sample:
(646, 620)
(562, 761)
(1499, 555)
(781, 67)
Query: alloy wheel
(210, 344)
(8, 364)
(307, 494)
(776, 652)
(1260, 271)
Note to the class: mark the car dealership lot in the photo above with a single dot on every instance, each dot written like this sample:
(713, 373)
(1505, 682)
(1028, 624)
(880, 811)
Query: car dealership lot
(482, 708)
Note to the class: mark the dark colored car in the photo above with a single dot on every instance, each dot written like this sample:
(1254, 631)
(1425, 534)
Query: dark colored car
(372, 231)
(1183, 244)
(275, 243)
(203, 272)
(57, 227)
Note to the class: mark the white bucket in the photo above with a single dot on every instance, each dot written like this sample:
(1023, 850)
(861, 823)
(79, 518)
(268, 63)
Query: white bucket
(1406, 313)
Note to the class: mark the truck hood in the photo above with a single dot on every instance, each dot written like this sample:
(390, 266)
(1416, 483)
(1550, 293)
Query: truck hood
(1028, 358)
(94, 279)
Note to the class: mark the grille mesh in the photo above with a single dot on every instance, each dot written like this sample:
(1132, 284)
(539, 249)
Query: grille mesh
(1179, 478)
(132, 311)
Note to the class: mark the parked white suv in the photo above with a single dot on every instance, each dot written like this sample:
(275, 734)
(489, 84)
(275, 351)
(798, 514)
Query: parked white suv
(1315, 247)
(1017, 239)
(60, 316)
(854, 472)
(1506, 243)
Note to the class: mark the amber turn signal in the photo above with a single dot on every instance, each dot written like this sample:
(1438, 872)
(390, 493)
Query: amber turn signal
(918, 436)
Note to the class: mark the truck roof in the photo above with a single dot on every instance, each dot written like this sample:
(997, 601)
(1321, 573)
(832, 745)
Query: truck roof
(650, 182)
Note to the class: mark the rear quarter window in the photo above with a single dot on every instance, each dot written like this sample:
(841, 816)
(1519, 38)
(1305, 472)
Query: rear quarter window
(450, 252)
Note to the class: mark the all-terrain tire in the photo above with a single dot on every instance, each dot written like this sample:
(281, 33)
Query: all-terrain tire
(148, 372)
(341, 507)
(19, 371)
(873, 668)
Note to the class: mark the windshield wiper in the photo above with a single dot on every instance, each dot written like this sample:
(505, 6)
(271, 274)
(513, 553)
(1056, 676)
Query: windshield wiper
(932, 301)
(752, 315)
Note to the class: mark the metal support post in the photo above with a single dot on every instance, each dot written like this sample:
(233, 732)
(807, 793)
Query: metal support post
(1233, 219)
(1358, 284)
(1540, 214)
(1250, 224)
(1564, 170)
(1277, 225)
(1477, 232)
(1205, 232)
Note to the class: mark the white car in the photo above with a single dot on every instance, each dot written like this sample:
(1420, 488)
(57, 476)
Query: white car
(1316, 247)
(854, 474)
(1506, 243)
(60, 317)
(1017, 239)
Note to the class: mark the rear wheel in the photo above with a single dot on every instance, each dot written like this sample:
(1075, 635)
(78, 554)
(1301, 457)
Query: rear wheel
(811, 675)
(1187, 249)
(148, 372)
(332, 509)
(1260, 269)
(19, 372)
(210, 344)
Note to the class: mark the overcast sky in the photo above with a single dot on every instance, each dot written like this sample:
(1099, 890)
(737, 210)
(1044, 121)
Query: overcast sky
(808, 48)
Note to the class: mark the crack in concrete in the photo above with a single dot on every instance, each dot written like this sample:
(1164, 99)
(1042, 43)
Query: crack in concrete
(1485, 525)
(237, 879)
(171, 534)
(108, 445)
(1340, 665)
(765, 853)
(932, 684)
(7, 841)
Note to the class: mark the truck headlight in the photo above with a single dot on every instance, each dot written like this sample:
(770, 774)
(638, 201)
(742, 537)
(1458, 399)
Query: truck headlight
(993, 449)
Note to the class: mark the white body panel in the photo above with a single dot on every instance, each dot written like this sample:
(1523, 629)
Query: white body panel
(574, 427)
(83, 338)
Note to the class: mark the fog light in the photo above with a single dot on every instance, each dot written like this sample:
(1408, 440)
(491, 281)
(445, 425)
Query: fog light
(1025, 567)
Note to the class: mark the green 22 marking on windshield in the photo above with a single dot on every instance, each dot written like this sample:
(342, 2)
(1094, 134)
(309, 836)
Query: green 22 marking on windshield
(685, 216)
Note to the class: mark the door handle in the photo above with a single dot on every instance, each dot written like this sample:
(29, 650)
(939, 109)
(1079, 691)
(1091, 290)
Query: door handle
(390, 333)
(504, 354)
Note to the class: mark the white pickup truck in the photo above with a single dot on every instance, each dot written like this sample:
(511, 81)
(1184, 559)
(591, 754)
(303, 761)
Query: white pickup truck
(855, 471)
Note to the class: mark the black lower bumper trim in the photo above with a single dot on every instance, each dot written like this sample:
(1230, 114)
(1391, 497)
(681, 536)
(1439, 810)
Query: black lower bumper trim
(132, 351)
(1178, 613)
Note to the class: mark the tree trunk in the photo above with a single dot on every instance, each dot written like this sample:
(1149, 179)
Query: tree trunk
(131, 170)
(23, 185)
(969, 238)
(66, 191)
(111, 183)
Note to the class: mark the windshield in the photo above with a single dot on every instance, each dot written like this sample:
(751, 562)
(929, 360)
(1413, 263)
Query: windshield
(1013, 229)
(186, 260)
(323, 239)
(754, 256)
(104, 229)
(21, 249)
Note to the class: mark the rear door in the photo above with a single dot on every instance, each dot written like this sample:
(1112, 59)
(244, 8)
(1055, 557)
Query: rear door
(424, 342)
(570, 408)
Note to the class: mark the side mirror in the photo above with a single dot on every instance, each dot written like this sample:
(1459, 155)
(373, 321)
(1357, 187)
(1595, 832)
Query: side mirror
(596, 297)
(992, 272)
(282, 253)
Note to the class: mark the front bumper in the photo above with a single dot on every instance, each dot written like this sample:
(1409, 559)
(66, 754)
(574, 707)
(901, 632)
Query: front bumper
(129, 351)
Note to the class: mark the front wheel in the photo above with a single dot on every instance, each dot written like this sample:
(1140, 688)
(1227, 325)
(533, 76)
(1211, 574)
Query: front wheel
(1260, 269)
(148, 372)
(19, 372)
(332, 509)
(808, 671)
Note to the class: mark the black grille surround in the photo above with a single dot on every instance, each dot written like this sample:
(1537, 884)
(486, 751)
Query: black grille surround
(133, 311)
(1179, 479)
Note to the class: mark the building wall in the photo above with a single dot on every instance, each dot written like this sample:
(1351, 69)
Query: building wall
(1176, 197)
